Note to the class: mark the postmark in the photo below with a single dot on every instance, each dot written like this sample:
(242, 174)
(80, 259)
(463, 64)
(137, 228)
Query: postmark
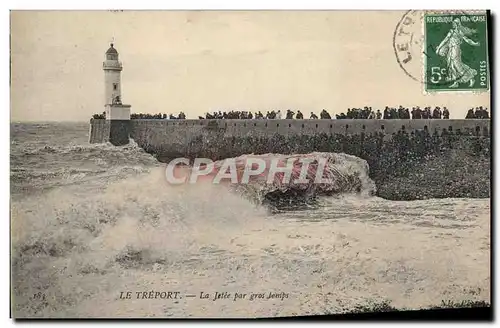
(429, 48)
(408, 44)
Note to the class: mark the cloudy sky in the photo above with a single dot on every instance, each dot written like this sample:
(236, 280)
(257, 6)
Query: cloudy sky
(197, 61)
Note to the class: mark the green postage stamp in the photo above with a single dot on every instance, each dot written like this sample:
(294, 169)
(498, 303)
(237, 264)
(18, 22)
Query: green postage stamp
(456, 52)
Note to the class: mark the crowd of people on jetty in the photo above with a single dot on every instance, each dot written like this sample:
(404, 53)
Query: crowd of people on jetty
(159, 116)
(366, 112)
(143, 116)
(479, 113)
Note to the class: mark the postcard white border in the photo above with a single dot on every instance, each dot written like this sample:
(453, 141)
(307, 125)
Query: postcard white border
(185, 4)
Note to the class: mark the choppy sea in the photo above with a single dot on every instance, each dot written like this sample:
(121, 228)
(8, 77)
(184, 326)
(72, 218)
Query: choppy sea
(91, 221)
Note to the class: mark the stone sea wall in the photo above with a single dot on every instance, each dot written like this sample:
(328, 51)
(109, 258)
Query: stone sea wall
(409, 159)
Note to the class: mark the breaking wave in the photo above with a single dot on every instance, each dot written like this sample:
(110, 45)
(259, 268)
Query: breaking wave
(129, 151)
(341, 174)
(81, 244)
(36, 165)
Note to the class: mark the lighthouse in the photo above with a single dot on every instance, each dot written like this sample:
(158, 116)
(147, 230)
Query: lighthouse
(117, 113)
(112, 76)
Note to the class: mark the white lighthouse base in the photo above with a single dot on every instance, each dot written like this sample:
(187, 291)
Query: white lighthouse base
(117, 112)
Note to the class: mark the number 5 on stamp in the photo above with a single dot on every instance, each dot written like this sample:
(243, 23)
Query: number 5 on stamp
(456, 52)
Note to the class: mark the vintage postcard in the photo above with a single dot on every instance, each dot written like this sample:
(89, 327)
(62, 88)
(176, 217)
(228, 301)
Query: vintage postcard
(250, 164)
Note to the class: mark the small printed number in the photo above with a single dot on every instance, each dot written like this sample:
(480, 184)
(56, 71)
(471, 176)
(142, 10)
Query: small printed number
(437, 74)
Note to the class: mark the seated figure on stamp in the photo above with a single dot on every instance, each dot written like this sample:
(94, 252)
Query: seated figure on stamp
(450, 48)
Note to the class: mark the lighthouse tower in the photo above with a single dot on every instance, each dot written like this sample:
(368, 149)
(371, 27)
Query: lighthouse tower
(112, 71)
(116, 112)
